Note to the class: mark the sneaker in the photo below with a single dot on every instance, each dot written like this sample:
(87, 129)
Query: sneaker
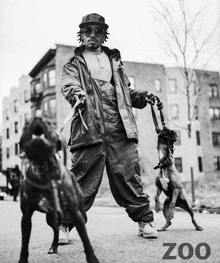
(147, 230)
(63, 235)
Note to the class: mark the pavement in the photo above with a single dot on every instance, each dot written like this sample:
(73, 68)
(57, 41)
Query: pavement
(106, 200)
(114, 237)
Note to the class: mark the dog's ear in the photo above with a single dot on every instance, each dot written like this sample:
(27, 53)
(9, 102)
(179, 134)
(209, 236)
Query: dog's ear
(59, 145)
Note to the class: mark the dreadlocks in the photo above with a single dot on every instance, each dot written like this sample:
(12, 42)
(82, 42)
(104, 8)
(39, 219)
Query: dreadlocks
(80, 36)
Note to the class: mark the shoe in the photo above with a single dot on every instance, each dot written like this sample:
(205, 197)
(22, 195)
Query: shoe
(63, 235)
(147, 230)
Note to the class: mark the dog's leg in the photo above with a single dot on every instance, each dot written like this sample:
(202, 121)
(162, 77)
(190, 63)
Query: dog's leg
(52, 222)
(26, 226)
(81, 229)
(175, 195)
(166, 213)
(184, 204)
(157, 201)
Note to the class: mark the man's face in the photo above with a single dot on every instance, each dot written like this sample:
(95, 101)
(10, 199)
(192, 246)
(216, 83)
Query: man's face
(93, 37)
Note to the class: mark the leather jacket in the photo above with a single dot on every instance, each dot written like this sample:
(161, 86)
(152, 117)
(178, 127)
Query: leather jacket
(76, 77)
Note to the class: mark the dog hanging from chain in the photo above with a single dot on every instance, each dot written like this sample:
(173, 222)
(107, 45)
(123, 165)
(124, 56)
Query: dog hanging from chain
(168, 180)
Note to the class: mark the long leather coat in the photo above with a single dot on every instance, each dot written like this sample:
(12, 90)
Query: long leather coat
(76, 77)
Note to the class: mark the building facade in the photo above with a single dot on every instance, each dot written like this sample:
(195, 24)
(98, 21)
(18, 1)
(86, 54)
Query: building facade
(196, 155)
(16, 111)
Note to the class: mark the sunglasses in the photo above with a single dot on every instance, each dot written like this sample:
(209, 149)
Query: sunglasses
(98, 31)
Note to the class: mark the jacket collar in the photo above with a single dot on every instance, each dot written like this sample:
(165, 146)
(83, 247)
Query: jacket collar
(112, 53)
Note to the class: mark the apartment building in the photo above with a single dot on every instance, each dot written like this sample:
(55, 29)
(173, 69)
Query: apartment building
(200, 153)
(16, 110)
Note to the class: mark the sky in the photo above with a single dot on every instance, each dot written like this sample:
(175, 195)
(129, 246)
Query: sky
(29, 28)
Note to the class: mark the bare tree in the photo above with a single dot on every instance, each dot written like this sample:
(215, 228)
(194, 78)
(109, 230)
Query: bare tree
(186, 37)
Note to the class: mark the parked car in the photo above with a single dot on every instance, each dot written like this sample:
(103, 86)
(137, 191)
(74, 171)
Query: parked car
(3, 186)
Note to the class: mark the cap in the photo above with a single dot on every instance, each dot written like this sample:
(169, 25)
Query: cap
(93, 19)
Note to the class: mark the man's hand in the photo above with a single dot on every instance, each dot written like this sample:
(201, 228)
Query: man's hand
(150, 98)
(80, 95)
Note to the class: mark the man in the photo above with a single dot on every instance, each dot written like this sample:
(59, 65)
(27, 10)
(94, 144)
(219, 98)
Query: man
(96, 76)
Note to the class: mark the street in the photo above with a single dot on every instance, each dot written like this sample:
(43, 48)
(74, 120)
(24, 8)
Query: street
(114, 238)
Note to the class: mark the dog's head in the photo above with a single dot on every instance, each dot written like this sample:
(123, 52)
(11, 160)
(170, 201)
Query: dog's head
(167, 138)
(39, 140)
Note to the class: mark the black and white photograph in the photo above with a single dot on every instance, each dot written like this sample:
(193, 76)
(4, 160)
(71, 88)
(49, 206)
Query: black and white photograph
(109, 131)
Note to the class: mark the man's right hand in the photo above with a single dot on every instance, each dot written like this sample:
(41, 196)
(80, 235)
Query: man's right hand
(80, 95)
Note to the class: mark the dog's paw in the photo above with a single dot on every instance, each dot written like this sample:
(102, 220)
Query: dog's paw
(199, 228)
(161, 229)
(52, 250)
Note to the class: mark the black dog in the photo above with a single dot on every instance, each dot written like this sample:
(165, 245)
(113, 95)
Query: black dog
(169, 182)
(50, 188)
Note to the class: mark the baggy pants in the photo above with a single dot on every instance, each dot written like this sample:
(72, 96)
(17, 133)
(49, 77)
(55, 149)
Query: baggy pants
(120, 156)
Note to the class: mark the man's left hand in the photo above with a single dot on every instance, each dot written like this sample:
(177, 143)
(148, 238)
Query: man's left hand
(150, 98)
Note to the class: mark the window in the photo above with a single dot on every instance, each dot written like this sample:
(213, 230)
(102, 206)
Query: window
(174, 111)
(52, 107)
(217, 163)
(16, 149)
(45, 108)
(157, 84)
(178, 142)
(15, 106)
(172, 86)
(213, 91)
(198, 138)
(216, 138)
(36, 91)
(49, 108)
(200, 164)
(49, 78)
(26, 96)
(52, 77)
(178, 164)
(16, 127)
(7, 133)
(45, 79)
(214, 113)
(7, 114)
(38, 88)
(7, 153)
